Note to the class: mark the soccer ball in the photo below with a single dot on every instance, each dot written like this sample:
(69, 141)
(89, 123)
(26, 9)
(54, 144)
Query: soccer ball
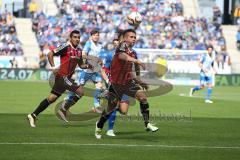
(134, 18)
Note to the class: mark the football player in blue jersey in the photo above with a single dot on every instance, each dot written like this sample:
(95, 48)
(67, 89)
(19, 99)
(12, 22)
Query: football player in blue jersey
(206, 64)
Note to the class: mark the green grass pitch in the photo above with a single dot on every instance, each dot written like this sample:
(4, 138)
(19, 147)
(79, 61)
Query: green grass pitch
(205, 131)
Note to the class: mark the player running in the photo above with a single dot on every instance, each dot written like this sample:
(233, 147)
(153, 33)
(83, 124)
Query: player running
(92, 49)
(206, 63)
(70, 56)
(107, 59)
(123, 82)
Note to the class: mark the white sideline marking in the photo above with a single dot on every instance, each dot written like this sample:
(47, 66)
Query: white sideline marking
(121, 145)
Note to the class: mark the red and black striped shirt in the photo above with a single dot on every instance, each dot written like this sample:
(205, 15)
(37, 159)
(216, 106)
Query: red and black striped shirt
(69, 58)
(121, 70)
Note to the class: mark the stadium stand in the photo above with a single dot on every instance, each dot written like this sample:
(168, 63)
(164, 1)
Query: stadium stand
(163, 20)
(9, 42)
(163, 27)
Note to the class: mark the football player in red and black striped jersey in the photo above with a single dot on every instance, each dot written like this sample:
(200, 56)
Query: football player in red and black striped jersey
(123, 82)
(70, 57)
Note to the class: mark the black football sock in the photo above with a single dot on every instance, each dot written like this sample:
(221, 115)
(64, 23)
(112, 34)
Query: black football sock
(102, 120)
(144, 107)
(41, 107)
(110, 108)
(68, 103)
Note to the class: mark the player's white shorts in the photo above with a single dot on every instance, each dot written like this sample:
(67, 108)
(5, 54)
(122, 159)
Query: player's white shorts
(85, 76)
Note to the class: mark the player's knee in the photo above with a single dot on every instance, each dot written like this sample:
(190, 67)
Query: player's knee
(52, 98)
(202, 87)
(79, 92)
(143, 99)
(141, 96)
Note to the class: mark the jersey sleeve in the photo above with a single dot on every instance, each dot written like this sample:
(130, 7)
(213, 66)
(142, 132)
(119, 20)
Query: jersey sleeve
(122, 48)
(87, 47)
(61, 50)
(202, 58)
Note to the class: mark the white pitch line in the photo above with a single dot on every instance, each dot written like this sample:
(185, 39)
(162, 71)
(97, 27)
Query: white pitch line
(121, 145)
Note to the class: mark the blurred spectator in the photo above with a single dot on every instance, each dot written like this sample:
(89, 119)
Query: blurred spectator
(163, 24)
(32, 7)
(42, 61)
(223, 59)
(237, 14)
(25, 63)
(238, 39)
(217, 15)
(9, 43)
(14, 63)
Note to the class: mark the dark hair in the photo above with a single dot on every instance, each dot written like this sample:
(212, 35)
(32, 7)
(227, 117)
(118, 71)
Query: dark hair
(128, 30)
(94, 31)
(210, 46)
(74, 32)
(115, 39)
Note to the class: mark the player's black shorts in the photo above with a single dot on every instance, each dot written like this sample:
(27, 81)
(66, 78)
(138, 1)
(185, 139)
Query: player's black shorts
(130, 89)
(62, 84)
(116, 91)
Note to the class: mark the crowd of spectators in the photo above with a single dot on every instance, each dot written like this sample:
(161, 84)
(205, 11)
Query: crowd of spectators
(9, 42)
(163, 25)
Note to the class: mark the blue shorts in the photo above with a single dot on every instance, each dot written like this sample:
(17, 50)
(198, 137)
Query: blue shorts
(205, 79)
(85, 76)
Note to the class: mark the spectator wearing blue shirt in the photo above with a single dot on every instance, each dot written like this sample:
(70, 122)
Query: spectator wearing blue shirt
(238, 39)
